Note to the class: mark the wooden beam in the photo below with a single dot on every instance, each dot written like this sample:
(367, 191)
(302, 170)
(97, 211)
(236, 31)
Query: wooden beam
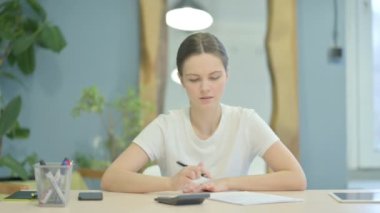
(282, 60)
(153, 55)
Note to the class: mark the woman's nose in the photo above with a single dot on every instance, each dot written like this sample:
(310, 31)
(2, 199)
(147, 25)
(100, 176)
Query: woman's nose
(205, 85)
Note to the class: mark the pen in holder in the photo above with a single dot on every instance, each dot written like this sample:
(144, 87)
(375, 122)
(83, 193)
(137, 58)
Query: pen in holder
(53, 182)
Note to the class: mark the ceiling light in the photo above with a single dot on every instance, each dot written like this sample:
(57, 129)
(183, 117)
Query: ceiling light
(174, 76)
(188, 16)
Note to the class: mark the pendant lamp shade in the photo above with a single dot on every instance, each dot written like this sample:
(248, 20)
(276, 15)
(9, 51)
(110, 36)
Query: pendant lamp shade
(187, 15)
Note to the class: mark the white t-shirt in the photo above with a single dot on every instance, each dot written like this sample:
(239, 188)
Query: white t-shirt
(239, 138)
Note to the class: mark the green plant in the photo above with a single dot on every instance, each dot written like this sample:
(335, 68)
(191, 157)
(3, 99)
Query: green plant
(11, 129)
(120, 132)
(23, 27)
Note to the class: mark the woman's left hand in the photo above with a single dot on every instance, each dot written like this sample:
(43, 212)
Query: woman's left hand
(210, 186)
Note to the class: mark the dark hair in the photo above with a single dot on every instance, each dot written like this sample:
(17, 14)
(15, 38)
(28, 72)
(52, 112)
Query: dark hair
(198, 43)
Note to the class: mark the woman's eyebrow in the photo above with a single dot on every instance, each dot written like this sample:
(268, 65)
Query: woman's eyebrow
(197, 75)
(192, 75)
(215, 72)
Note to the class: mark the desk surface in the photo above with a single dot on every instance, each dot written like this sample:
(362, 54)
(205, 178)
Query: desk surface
(314, 201)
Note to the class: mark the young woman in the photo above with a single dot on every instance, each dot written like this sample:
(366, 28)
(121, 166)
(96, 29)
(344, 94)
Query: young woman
(215, 140)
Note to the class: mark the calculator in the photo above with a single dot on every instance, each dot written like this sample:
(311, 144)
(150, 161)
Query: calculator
(183, 199)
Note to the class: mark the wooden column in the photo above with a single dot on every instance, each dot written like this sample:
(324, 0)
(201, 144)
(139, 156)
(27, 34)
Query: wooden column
(282, 60)
(153, 56)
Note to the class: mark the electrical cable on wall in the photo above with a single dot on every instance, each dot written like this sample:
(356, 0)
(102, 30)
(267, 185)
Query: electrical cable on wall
(335, 52)
(335, 24)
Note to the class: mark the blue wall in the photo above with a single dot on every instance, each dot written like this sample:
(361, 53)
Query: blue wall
(322, 95)
(102, 49)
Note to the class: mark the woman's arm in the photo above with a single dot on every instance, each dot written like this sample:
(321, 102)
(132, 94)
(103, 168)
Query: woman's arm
(287, 175)
(122, 175)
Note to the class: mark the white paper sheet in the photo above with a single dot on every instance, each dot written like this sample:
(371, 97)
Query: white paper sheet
(250, 198)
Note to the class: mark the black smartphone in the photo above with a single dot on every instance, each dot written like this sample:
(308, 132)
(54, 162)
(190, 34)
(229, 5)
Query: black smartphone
(20, 195)
(90, 196)
(183, 199)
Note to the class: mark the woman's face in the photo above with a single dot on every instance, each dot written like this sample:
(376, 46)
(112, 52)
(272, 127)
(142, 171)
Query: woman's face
(204, 78)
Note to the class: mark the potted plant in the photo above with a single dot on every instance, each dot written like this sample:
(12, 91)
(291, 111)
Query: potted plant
(23, 28)
(122, 120)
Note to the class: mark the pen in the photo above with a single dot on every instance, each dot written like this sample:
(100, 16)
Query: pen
(59, 178)
(184, 165)
(65, 162)
(181, 164)
(53, 181)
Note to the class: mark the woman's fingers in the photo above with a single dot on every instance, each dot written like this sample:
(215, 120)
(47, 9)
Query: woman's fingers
(215, 186)
(191, 188)
(188, 178)
(203, 171)
(190, 173)
(195, 188)
(207, 187)
(194, 172)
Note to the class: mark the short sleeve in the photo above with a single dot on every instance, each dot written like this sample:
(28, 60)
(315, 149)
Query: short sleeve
(151, 139)
(263, 136)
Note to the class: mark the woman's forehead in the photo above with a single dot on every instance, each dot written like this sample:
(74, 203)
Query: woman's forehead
(201, 63)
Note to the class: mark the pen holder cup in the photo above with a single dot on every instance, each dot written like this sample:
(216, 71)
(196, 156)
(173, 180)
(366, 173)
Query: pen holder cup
(53, 182)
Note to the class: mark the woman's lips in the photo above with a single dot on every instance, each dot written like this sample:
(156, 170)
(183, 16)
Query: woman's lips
(206, 97)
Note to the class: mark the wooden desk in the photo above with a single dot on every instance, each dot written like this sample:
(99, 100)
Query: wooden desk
(314, 201)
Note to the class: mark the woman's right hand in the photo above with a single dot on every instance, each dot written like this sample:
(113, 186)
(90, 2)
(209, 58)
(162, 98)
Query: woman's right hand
(185, 177)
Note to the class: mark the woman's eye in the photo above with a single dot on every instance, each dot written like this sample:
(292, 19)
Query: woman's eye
(193, 80)
(214, 77)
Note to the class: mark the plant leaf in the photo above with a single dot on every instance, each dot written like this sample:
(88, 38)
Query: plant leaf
(18, 132)
(9, 5)
(91, 101)
(37, 8)
(7, 75)
(26, 61)
(8, 117)
(30, 159)
(22, 44)
(51, 38)
(11, 59)
(15, 166)
(10, 76)
(31, 26)
(28, 163)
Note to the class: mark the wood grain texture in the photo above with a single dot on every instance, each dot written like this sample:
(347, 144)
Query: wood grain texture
(153, 59)
(282, 60)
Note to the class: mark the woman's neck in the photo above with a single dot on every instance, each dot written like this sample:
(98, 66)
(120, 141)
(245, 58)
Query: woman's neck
(205, 122)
